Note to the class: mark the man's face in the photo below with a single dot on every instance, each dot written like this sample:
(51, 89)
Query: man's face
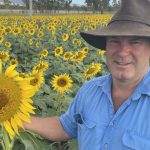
(127, 57)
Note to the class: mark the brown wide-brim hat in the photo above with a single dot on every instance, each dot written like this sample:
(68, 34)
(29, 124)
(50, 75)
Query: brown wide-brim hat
(133, 19)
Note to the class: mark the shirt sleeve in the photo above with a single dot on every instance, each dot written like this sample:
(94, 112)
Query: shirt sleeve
(68, 120)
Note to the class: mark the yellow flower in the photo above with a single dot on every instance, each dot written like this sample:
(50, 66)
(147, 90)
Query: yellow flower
(73, 58)
(93, 26)
(74, 41)
(26, 31)
(67, 55)
(16, 30)
(15, 100)
(79, 56)
(73, 32)
(40, 34)
(23, 75)
(43, 53)
(50, 27)
(31, 32)
(4, 55)
(92, 70)
(65, 37)
(1, 39)
(36, 80)
(61, 82)
(101, 52)
(40, 67)
(58, 51)
(7, 29)
(30, 41)
(85, 28)
(78, 42)
(13, 62)
(85, 50)
(37, 45)
(8, 44)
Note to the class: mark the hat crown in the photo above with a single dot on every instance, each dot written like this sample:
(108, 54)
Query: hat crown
(133, 10)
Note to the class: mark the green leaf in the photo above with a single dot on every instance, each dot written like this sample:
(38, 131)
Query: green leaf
(31, 142)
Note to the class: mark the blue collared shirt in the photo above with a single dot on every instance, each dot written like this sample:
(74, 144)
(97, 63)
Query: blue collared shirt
(92, 120)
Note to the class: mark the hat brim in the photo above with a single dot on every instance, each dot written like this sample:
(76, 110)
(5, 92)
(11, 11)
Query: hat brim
(97, 38)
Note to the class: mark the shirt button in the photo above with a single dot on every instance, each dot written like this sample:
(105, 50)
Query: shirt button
(111, 124)
(106, 145)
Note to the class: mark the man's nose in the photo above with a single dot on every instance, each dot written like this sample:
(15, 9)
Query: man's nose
(125, 48)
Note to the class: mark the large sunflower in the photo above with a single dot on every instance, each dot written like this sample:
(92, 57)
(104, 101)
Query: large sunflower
(15, 100)
(61, 83)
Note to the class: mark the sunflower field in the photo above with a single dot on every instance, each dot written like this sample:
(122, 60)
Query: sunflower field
(43, 63)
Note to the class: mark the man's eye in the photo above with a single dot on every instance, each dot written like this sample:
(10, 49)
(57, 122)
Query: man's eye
(135, 42)
(114, 41)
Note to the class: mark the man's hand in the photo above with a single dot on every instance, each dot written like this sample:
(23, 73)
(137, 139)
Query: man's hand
(49, 128)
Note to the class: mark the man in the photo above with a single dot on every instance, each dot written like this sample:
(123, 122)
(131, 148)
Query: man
(111, 112)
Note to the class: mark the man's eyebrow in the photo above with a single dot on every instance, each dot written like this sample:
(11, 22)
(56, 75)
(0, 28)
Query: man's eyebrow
(137, 38)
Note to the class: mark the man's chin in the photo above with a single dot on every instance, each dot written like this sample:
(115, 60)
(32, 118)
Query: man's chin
(124, 77)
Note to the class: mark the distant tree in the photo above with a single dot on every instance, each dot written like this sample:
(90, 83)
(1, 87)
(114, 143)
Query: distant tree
(116, 4)
(42, 5)
(7, 4)
(26, 2)
(98, 5)
(67, 4)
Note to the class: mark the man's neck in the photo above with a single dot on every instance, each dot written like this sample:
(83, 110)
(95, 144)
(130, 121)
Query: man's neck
(121, 91)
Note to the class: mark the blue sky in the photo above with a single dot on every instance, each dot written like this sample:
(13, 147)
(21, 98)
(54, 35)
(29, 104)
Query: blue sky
(79, 2)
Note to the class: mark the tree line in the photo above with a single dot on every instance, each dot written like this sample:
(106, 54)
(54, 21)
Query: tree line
(56, 5)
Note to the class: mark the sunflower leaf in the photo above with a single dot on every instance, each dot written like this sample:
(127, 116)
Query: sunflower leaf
(31, 142)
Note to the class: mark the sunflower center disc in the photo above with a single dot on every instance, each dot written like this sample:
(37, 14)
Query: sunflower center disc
(61, 83)
(3, 100)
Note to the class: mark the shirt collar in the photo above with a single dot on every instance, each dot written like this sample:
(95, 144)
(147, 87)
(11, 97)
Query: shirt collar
(105, 85)
(142, 88)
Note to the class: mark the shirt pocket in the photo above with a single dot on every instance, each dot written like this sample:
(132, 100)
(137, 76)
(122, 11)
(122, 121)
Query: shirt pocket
(86, 131)
(133, 141)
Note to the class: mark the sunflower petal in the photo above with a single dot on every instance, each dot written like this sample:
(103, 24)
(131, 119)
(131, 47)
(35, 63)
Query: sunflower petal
(27, 93)
(14, 125)
(18, 121)
(9, 70)
(9, 129)
(26, 110)
(23, 117)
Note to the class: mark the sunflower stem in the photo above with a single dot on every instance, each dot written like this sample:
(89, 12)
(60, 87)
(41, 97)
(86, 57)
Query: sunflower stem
(60, 98)
(7, 144)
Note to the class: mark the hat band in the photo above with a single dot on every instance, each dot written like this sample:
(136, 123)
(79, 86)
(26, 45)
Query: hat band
(129, 18)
